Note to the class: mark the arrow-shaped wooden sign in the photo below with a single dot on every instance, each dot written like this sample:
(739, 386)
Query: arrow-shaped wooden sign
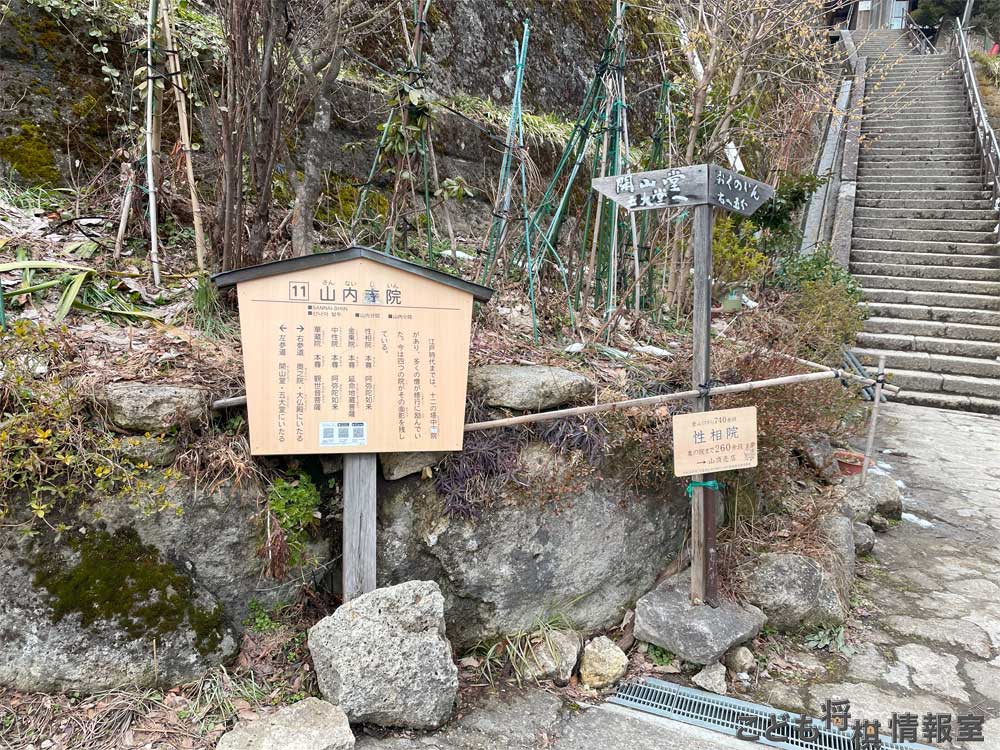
(697, 185)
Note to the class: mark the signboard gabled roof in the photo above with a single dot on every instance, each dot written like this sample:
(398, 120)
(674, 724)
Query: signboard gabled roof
(231, 278)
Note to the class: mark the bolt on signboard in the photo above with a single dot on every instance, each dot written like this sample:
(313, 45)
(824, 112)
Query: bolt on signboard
(354, 352)
(700, 187)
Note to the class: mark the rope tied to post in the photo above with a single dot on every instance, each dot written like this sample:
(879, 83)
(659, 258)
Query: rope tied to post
(711, 484)
(705, 389)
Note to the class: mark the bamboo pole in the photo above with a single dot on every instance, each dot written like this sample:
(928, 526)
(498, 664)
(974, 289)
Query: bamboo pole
(180, 94)
(871, 428)
(632, 403)
(154, 252)
(128, 170)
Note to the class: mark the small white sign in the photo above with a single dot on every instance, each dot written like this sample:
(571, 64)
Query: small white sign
(336, 434)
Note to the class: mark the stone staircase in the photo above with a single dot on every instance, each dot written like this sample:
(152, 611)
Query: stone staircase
(925, 247)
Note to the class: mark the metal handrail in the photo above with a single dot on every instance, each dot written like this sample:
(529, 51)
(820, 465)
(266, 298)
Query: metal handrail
(967, 14)
(985, 137)
(924, 45)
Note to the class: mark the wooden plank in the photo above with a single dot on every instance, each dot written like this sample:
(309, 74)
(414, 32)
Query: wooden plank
(358, 569)
(702, 502)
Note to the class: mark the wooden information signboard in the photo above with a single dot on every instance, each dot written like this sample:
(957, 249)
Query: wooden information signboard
(700, 187)
(710, 441)
(354, 352)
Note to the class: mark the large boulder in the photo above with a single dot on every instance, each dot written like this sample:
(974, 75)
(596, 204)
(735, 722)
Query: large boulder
(584, 547)
(384, 658)
(98, 610)
(794, 591)
(838, 533)
(702, 634)
(152, 407)
(213, 533)
(148, 587)
(529, 387)
(310, 724)
(878, 496)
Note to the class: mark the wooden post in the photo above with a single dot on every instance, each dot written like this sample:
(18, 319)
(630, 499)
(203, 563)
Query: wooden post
(358, 564)
(871, 427)
(704, 584)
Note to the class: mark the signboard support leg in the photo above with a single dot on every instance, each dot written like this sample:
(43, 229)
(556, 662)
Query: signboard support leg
(358, 563)
(704, 583)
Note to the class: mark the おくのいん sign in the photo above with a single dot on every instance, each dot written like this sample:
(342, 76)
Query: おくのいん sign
(702, 184)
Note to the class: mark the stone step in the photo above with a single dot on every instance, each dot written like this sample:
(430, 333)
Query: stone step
(915, 113)
(933, 299)
(931, 284)
(927, 246)
(948, 401)
(941, 313)
(985, 219)
(960, 274)
(899, 191)
(895, 257)
(947, 144)
(948, 365)
(899, 164)
(976, 350)
(902, 173)
(925, 235)
(917, 120)
(891, 182)
(934, 329)
(941, 78)
(942, 149)
(978, 204)
(935, 382)
(928, 225)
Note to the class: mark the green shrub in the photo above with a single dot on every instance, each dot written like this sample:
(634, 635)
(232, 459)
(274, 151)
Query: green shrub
(294, 504)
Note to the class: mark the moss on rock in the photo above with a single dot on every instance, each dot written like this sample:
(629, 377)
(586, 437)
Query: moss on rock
(30, 155)
(117, 578)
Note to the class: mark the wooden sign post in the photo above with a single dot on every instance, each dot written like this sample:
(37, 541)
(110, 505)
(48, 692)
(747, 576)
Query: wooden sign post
(354, 352)
(700, 187)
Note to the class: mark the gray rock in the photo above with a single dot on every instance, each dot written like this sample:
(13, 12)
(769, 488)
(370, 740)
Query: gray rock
(384, 658)
(666, 617)
(740, 659)
(932, 671)
(82, 613)
(152, 407)
(712, 678)
(864, 539)
(602, 663)
(524, 559)
(879, 523)
(794, 591)
(878, 496)
(310, 724)
(530, 387)
(554, 656)
(156, 450)
(399, 465)
(818, 454)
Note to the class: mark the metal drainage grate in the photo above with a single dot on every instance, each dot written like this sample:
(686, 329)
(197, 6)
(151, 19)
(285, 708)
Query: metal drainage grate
(720, 714)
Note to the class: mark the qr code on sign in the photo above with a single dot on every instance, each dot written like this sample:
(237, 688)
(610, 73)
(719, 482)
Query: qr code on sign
(338, 434)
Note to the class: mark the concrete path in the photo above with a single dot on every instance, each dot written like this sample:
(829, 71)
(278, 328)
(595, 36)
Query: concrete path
(927, 611)
(927, 608)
